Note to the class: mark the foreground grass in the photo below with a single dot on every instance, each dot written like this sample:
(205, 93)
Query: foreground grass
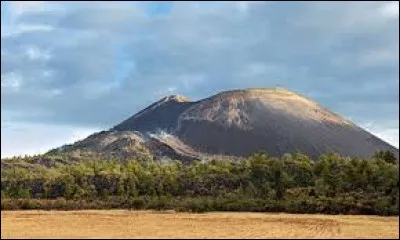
(148, 224)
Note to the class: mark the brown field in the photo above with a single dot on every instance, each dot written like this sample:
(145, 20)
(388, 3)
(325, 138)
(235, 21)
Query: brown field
(147, 224)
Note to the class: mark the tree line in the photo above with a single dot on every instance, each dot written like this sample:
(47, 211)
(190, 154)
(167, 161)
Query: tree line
(292, 183)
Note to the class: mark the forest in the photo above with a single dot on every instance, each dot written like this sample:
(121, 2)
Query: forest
(292, 183)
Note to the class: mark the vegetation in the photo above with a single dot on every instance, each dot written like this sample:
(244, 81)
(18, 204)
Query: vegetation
(293, 183)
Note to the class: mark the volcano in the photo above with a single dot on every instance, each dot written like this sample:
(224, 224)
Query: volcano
(234, 123)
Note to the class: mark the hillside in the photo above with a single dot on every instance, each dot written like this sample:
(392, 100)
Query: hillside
(233, 123)
(113, 168)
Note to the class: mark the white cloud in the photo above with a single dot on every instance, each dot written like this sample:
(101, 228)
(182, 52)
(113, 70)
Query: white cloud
(387, 132)
(35, 53)
(166, 91)
(389, 135)
(197, 49)
(171, 89)
(22, 28)
(21, 7)
(11, 80)
(9, 31)
(244, 6)
(29, 138)
(390, 9)
(335, 19)
(12, 25)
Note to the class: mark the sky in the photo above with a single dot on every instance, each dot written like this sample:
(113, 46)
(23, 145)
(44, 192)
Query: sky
(69, 69)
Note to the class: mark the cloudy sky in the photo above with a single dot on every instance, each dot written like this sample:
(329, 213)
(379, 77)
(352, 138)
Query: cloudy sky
(71, 68)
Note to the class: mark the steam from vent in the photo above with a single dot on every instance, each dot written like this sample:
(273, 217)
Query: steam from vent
(160, 134)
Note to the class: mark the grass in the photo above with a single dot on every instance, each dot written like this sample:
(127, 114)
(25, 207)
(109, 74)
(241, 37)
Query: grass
(148, 224)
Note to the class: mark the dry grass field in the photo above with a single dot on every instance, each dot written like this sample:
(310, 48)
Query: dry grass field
(147, 224)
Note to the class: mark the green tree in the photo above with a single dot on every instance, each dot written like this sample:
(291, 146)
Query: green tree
(387, 156)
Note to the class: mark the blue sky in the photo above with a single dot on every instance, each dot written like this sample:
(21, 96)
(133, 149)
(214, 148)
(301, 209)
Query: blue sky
(71, 68)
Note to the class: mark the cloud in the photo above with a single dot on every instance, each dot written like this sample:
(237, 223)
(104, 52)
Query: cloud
(92, 65)
(387, 132)
(390, 9)
(25, 28)
(21, 7)
(35, 53)
(168, 91)
(38, 138)
(244, 6)
(11, 80)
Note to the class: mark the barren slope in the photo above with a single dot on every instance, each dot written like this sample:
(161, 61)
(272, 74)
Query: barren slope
(236, 123)
(126, 145)
(242, 122)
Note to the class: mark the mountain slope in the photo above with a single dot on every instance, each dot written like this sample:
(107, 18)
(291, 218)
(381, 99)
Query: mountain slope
(239, 123)
(161, 115)
(275, 120)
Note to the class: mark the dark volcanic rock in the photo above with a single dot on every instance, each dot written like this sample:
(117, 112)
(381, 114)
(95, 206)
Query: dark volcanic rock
(276, 121)
(238, 123)
(160, 115)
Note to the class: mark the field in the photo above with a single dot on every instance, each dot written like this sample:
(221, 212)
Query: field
(148, 224)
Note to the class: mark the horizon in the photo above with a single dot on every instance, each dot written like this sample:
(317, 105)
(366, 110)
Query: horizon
(69, 69)
(177, 95)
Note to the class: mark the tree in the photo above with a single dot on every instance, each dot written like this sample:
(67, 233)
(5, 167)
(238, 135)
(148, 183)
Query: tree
(387, 156)
(277, 171)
